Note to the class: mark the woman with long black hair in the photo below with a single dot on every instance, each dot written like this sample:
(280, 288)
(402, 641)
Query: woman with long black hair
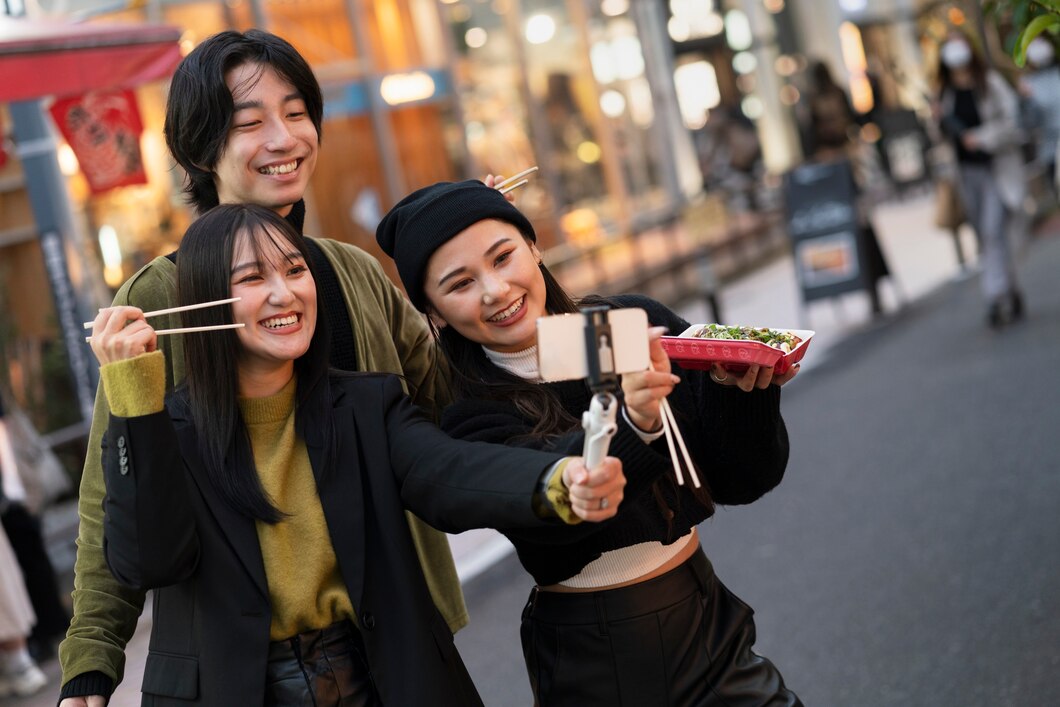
(265, 500)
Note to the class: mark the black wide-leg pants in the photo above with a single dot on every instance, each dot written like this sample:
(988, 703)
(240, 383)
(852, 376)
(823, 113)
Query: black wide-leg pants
(679, 640)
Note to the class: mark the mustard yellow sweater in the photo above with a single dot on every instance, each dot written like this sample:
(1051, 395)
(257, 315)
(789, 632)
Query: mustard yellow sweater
(305, 589)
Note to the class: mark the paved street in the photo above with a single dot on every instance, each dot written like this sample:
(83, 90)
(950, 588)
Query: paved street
(906, 559)
(909, 557)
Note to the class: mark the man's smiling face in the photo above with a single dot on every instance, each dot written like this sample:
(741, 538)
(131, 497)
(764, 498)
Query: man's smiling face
(271, 150)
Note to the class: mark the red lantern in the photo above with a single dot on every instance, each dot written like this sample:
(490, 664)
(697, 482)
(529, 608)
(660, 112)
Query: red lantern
(103, 129)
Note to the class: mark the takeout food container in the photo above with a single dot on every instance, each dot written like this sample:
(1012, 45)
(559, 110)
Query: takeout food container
(689, 351)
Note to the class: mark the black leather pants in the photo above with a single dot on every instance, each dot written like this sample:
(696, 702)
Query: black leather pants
(319, 668)
(679, 640)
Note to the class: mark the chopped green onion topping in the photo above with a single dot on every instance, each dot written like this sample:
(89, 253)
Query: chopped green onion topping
(783, 340)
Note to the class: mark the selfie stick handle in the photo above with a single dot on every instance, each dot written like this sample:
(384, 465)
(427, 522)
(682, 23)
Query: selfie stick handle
(599, 425)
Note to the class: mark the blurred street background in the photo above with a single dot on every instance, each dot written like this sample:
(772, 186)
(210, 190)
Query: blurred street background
(905, 559)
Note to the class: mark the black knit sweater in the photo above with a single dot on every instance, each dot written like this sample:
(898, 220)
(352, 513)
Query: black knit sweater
(738, 441)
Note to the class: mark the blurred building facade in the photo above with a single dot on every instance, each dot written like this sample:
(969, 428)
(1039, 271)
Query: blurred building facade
(608, 97)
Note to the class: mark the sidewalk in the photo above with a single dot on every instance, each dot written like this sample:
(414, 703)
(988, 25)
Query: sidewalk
(921, 257)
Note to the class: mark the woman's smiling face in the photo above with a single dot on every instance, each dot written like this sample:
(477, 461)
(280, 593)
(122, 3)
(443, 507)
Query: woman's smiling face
(486, 283)
(278, 305)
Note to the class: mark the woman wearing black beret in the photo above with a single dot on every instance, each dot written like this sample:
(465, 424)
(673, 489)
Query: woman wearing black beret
(631, 612)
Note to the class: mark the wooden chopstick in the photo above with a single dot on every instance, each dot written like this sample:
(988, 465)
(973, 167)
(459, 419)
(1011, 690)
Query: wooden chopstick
(670, 427)
(670, 445)
(187, 329)
(185, 308)
(514, 186)
(514, 178)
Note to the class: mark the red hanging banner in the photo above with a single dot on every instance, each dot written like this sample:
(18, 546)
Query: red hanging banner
(103, 128)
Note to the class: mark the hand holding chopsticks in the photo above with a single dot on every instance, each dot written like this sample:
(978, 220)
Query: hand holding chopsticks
(646, 404)
(513, 182)
(185, 308)
(184, 330)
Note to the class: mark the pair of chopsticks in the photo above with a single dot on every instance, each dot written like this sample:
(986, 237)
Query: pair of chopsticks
(671, 430)
(513, 182)
(185, 308)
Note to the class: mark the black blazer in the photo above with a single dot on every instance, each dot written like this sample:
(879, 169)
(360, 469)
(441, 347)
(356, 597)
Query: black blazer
(165, 528)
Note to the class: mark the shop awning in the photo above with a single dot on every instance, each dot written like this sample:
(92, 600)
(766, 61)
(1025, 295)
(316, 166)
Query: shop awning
(45, 57)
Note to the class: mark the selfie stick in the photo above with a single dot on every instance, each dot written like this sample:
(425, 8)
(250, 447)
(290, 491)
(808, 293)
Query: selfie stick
(599, 420)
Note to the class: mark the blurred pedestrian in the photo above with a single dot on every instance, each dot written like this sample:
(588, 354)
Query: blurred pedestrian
(629, 612)
(979, 112)
(828, 118)
(833, 136)
(265, 500)
(23, 530)
(19, 674)
(1040, 84)
(730, 156)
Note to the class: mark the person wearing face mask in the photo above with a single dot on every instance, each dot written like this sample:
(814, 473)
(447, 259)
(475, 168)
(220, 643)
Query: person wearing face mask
(979, 113)
(1041, 87)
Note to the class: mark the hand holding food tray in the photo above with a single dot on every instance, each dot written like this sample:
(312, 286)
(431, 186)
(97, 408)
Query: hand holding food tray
(737, 348)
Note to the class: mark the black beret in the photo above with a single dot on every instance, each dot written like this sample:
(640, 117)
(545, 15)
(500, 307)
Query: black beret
(427, 218)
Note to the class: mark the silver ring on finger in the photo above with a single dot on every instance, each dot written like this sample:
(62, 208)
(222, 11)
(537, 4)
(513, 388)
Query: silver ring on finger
(714, 377)
(604, 503)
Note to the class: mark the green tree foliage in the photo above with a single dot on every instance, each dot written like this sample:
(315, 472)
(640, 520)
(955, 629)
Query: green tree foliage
(1027, 19)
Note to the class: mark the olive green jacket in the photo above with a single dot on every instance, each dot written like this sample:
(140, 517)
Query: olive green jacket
(391, 337)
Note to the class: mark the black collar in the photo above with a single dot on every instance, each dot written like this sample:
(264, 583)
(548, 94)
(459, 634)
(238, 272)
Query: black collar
(296, 216)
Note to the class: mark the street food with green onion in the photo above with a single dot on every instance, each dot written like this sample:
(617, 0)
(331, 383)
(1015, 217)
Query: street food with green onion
(783, 340)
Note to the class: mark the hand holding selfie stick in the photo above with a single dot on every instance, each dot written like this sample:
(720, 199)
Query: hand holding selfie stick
(599, 420)
(597, 345)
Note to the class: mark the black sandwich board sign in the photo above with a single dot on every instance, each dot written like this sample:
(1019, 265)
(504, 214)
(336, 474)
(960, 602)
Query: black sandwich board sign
(821, 201)
(903, 147)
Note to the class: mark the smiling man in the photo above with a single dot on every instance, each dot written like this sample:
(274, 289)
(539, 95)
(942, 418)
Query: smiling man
(243, 119)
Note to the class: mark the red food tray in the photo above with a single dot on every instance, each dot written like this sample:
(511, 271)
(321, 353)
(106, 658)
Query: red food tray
(691, 352)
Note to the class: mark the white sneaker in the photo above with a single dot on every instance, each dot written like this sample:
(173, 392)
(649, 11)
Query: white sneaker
(22, 683)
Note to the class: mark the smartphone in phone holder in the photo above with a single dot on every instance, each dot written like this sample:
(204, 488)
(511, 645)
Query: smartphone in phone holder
(597, 344)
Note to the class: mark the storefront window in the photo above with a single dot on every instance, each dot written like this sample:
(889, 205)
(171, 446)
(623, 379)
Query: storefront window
(561, 83)
(512, 52)
(387, 114)
(627, 106)
(496, 125)
(564, 86)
